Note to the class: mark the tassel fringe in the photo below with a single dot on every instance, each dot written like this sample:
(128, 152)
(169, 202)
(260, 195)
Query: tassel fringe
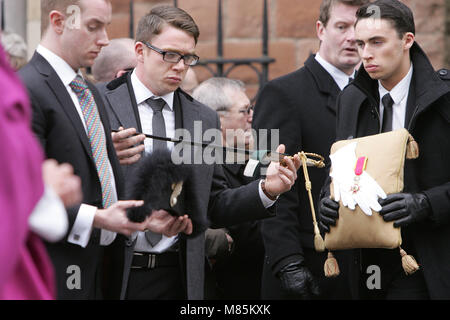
(409, 264)
(331, 267)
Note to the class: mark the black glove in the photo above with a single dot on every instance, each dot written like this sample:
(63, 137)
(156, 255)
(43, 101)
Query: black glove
(405, 208)
(329, 213)
(297, 280)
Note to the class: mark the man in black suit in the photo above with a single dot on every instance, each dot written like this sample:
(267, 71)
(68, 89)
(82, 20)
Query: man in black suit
(302, 105)
(71, 123)
(396, 88)
(238, 273)
(149, 100)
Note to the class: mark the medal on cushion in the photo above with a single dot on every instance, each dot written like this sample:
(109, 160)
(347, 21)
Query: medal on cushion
(360, 166)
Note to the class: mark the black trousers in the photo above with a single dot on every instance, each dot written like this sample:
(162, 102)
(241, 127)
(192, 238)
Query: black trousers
(338, 288)
(161, 283)
(394, 284)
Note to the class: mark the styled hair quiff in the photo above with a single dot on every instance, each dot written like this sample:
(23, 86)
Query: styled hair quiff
(399, 14)
(327, 5)
(153, 23)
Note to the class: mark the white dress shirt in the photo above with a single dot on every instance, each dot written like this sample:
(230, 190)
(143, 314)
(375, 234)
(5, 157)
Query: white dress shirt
(340, 77)
(142, 93)
(82, 228)
(400, 96)
(49, 217)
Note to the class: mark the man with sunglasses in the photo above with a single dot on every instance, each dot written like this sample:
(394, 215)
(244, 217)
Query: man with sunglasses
(149, 100)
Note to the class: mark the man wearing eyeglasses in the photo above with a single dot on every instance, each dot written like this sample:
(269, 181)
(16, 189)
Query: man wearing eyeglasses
(149, 100)
(236, 254)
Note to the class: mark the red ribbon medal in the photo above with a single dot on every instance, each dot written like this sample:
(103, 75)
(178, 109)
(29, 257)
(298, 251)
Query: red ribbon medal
(360, 166)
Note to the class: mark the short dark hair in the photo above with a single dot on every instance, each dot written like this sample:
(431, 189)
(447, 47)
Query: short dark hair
(398, 13)
(325, 7)
(153, 23)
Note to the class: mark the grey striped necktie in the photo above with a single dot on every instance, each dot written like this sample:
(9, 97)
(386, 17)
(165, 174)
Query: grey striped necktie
(158, 124)
(158, 129)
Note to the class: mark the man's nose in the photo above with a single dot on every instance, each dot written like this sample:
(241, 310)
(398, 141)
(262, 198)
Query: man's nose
(179, 66)
(103, 39)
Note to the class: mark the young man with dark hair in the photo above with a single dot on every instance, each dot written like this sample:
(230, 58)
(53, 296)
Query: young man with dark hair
(149, 100)
(397, 88)
(302, 106)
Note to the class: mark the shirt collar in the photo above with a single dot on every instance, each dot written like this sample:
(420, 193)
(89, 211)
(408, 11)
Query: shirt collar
(143, 93)
(340, 77)
(61, 67)
(398, 93)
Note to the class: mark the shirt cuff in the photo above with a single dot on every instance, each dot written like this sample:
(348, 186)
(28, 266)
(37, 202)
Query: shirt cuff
(49, 217)
(107, 237)
(82, 228)
(267, 203)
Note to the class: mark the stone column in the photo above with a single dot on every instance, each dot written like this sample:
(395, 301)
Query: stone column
(33, 25)
(15, 17)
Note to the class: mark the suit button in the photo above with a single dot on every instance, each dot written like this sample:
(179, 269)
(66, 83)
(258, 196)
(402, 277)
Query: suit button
(128, 243)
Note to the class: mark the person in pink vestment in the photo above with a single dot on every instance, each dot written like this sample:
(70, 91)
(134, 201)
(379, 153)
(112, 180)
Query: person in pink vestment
(25, 269)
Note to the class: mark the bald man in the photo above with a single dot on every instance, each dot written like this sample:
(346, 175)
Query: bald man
(114, 60)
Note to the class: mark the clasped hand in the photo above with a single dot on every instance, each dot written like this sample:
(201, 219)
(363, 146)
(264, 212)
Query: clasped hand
(115, 219)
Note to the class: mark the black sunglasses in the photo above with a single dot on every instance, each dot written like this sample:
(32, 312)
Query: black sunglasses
(175, 57)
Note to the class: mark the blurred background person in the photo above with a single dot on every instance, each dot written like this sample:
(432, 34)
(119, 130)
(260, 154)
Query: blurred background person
(190, 82)
(238, 273)
(29, 209)
(15, 48)
(114, 60)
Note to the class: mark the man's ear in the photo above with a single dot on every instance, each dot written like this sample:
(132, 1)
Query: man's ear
(57, 21)
(139, 50)
(408, 39)
(320, 29)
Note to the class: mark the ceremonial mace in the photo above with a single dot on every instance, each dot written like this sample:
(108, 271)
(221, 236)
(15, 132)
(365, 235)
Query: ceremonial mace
(315, 160)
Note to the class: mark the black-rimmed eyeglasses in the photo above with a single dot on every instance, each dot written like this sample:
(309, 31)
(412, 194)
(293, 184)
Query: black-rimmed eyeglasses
(175, 57)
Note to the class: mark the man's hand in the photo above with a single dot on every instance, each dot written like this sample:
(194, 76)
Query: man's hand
(164, 223)
(115, 218)
(297, 280)
(128, 146)
(405, 208)
(329, 213)
(63, 181)
(281, 179)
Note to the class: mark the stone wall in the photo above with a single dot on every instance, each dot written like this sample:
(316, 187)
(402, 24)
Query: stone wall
(291, 30)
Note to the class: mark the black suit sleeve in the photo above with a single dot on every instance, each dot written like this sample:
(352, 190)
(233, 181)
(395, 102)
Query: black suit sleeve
(231, 206)
(276, 108)
(39, 126)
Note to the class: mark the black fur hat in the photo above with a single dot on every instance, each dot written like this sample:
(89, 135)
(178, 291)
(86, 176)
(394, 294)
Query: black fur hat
(160, 183)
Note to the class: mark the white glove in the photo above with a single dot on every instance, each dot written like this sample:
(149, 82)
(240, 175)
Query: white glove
(343, 177)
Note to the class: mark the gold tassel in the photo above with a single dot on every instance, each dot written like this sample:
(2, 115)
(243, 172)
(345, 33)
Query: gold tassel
(331, 267)
(412, 148)
(319, 244)
(408, 262)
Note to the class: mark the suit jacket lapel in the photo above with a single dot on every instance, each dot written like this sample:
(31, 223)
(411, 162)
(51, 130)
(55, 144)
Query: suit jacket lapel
(64, 99)
(122, 100)
(324, 81)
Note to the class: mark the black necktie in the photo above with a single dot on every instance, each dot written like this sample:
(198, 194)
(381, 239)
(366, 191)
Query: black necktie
(158, 129)
(387, 115)
(350, 79)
